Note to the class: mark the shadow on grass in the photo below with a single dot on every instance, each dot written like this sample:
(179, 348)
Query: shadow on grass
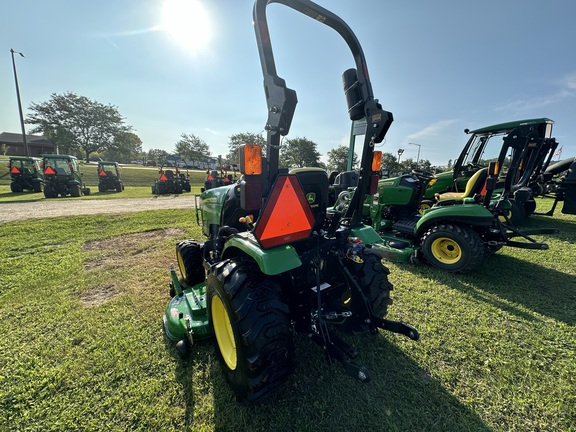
(543, 290)
(401, 396)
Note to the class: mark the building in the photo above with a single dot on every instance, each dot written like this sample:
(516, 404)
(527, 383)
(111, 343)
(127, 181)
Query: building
(37, 144)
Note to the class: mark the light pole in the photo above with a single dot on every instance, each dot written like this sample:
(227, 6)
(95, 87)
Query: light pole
(417, 157)
(19, 102)
(400, 151)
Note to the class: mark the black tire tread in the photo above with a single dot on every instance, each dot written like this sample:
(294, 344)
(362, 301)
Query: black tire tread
(261, 320)
(469, 238)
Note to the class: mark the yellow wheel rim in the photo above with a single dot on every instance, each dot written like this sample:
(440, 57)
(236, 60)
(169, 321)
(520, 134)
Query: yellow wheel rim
(223, 333)
(446, 250)
(503, 219)
(423, 208)
(181, 264)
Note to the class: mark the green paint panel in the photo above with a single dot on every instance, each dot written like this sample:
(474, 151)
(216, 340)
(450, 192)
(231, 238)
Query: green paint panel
(271, 261)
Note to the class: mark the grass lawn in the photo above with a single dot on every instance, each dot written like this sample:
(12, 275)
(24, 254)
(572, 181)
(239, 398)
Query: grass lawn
(82, 345)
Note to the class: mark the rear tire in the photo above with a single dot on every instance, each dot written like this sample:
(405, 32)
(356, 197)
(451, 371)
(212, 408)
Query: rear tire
(38, 186)
(372, 277)
(252, 330)
(190, 259)
(75, 191)
(530, 207)
(453, 248)
(16, 188)
(119, 187)
(49, 192)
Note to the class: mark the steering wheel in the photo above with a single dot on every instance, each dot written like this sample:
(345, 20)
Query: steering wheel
(474, 167)
(423, 175)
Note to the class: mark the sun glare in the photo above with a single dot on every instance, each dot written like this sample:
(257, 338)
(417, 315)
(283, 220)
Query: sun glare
(187, 22)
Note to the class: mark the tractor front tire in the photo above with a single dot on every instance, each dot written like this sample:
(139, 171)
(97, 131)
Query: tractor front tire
(516, 215)
(425, 205)
(190, 259)
(453, 248)
(252, 330)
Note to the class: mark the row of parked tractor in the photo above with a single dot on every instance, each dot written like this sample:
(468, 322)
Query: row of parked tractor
(59, 175)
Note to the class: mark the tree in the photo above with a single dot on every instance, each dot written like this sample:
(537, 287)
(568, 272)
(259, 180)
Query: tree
(4, 148)
(242, 138)
(192, 148)
(77, 122)
(298, 153)
(338, 159)
(157, 155)
(125, 147)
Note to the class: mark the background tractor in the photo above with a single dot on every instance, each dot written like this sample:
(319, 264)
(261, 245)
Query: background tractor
(275, 262)
(171, 182)
(62, 176)
(109, 177)
(25, 174)
(484, 145)
(456, 232)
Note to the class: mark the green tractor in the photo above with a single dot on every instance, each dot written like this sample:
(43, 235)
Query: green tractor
(109, 177)
(62, 176)
(275, 262)
(483, 146)
(460, 228)
(25, 174)
(171, 182)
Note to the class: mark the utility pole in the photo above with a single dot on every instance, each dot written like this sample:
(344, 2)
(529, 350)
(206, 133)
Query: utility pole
(12, 52)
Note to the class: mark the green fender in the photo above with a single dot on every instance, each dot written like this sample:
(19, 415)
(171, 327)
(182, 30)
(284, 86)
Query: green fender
(469, 214)
(271, 261)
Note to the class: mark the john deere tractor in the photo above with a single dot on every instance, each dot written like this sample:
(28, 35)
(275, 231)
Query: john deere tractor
(62, 176)
(275, 263)
(171, 182)
(461, 227)
(25, 174)
(483, 146)
(109, 177)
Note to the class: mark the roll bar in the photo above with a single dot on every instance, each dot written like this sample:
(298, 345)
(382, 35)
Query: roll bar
(282, 100)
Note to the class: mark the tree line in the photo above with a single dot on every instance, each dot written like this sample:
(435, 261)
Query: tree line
(79, 125)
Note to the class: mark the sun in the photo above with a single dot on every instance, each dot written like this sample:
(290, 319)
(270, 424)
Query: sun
(187, 22)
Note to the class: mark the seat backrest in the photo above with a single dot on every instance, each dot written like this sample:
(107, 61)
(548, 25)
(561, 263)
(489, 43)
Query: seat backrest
(476, 183)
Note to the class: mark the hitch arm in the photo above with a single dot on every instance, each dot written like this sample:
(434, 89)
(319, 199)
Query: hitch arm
(396, 327)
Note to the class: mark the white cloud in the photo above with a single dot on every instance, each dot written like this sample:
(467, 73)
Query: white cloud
(432, 131)
(567, 90)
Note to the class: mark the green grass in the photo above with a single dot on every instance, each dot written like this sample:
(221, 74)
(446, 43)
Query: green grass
(82, 345)
(137, 181)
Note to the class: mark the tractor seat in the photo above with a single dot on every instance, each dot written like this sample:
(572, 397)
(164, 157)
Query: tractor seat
(474, 186)
(169, 174)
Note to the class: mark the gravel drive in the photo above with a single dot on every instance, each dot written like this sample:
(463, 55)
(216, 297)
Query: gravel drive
(54, 207)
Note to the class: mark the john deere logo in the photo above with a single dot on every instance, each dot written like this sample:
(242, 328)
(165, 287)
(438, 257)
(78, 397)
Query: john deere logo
(311, 197)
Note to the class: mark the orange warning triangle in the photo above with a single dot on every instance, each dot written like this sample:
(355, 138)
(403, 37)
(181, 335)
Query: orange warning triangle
(14, 170)
(287, 216)
(163, 177)
(49, 171)
(102, 173)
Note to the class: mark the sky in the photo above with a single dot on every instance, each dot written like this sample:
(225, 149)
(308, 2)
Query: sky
(192, 66)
